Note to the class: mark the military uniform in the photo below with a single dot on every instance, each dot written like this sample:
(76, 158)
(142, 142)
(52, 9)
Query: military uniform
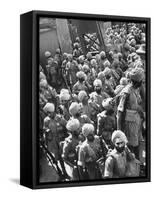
(72, 67)
(69, 154)
(106, 124)
(129, 106)
(115, 165)
(98, 98)
(78, 87)
(89, 153)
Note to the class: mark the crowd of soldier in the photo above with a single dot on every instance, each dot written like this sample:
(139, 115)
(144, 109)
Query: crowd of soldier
(92, 107)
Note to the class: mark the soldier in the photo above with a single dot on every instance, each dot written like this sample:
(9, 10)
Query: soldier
(106, 121)
(56, 132)
(98, 95)
(70, 146)
(89, 153)
(47, 56)
(117, 162)
(64, 98)
(103, 59)
(130, 112)
(106, 87)
(47, 93)
(123, 83)
(83, 99)
(76, 51)
(75, 111)
(88, 58)
(52, 72)
(81, 62)
(72, 69)
(80, 84)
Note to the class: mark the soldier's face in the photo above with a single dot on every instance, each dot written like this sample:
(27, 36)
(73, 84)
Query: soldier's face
(98, 89)
(119, 145)
(64, 102)
(90, 137)
(137, 84)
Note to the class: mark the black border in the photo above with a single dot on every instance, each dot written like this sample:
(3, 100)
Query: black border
(35, 96)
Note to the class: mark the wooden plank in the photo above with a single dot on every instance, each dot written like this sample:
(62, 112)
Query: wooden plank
(64, 35)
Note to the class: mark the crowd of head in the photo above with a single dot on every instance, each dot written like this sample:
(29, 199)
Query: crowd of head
(95, 103)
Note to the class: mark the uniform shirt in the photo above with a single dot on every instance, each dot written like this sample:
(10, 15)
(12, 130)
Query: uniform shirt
(86, 109)
(115, 165)
(89, 151)
(79, 86)
(98, 98)
(70, 149)
(106, 124)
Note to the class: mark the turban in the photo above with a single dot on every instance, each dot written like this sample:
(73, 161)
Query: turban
(89, 55)
(49, 107)
(93, 62)
(82, 94)
(43, 83)
(107, 63)
(119, 134)
(74, 108)
(46, 122)
(106, 103)
(69, 56)
(85, 68)
(107, 71)
(47, 54)
(58, 51)
(81, 74)
(81, 58)
(123, 81)
(101, 76)
(97, 82)
(42, 76)
(64, 95)
(136, 74)
(102, 54)
(87, 129)
(73, 125)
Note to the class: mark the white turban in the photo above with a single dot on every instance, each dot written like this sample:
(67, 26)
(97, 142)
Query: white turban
(64, 95)
(43, 83)
(107, 64)
(73, 125)
(87, 129)
(74, 108)
(119, 134)
(47, 54)
(123, 81)
(82, 94)
(49, 107)
(137, 74)
(42, 76)
(107, 71)
(93, 62)
(97, 82)
(81, 74)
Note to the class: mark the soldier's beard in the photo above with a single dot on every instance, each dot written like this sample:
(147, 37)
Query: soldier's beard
(120, 149)
(98, 91)
(90, 138)
(78, 115)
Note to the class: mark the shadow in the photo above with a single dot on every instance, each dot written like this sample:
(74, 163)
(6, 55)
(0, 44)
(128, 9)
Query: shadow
(15, 180)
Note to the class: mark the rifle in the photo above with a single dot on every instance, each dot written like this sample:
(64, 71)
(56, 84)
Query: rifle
(52, 160)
